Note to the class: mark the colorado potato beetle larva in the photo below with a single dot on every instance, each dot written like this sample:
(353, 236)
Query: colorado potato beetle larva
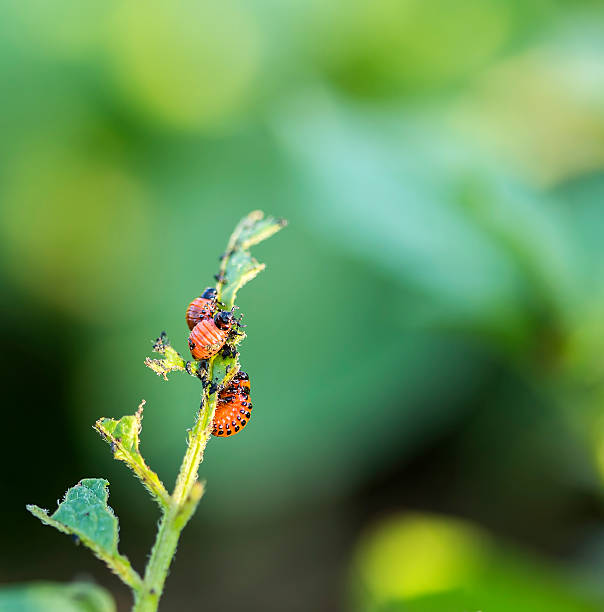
(233, 409)
(201, 307)
(210, 334)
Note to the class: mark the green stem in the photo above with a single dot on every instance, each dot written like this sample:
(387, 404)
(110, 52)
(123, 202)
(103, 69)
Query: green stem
(184, 499)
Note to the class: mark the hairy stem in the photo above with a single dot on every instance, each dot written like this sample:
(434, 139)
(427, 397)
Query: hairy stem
(184, 499)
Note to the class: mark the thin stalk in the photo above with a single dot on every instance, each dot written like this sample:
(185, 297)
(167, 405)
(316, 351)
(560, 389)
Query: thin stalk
(122, 568)
(184, 499)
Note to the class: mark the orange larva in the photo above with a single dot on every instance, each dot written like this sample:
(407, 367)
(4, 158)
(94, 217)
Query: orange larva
(233, 409)
(210, 334)
(201, 307)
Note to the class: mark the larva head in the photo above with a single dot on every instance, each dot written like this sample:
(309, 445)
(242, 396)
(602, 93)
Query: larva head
(209, 293)
(201, 307)
(224, 320)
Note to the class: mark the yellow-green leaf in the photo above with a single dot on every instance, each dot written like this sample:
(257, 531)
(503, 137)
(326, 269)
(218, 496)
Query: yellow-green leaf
(123, 437)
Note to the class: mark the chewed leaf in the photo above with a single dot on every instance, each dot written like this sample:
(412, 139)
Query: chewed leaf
(84, 513)
(241, 269)
(238, 266)
(123, 436)
(254, 228)
(172, 360)
(51, 597)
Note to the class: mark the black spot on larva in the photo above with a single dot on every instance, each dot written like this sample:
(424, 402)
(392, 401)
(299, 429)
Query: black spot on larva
(243, 422)
(236, 428)
(233, 423)
(242, 411)
(238, 418)
(220, 432)
(228, 432)
(248, 415)
(191, 344)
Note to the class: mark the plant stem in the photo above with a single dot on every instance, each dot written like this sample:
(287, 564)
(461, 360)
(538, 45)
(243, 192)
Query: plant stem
(184, 499)
(237, 268)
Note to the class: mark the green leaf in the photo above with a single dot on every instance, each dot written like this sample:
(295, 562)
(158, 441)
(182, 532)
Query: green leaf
(123, 436)
(51, 597)
(238, 266)
(223, 370)
(241, 269)
(253, 229)
(85, 514)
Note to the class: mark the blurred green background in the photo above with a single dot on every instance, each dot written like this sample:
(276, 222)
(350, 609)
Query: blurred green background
(426, 347)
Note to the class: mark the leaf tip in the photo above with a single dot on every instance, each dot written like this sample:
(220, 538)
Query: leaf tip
(139, 412)
(35, 510)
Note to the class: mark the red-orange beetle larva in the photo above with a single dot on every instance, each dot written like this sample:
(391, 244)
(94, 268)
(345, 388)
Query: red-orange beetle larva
(233, 409)
(210, 334)
(201, 307)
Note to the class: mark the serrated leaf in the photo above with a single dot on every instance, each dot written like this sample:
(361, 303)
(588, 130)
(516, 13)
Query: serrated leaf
(54, 597)
(238, 266)
(85, 514)
(123, 436)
